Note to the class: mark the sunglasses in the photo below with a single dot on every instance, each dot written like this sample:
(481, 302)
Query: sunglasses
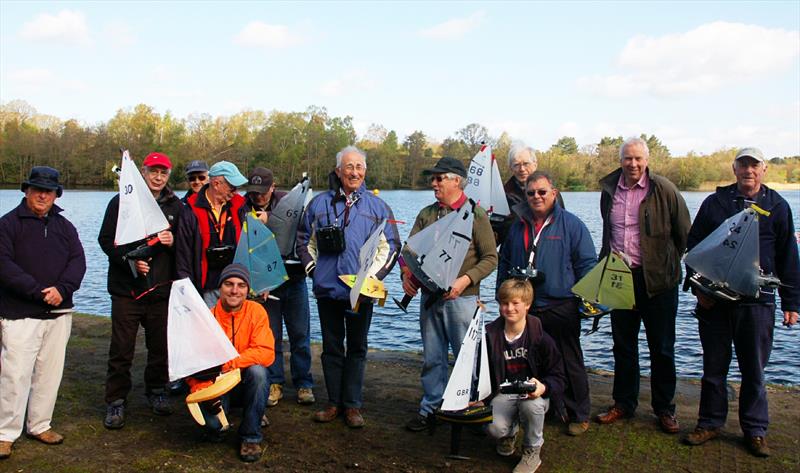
(200, 178)
(438, 178)
(541, 193)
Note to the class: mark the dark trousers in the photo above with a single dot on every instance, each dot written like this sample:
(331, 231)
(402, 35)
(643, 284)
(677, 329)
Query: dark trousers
(126, 316)
(658, 314)
(750, 328)
(292, 310)
(251, 394)
(563, 323)
(344, 368)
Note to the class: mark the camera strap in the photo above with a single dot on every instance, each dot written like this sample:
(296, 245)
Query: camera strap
(536, 236)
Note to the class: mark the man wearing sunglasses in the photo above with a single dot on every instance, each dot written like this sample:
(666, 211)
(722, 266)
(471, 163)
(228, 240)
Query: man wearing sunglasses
(196, 176)
(444, 323)
(646, 220)
(558, 245)
(209, 230)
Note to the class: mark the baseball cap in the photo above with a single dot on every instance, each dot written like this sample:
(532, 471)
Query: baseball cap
(229, 171)
(260, 180)
(196, 166)
(157, 159)
(754, 153)
(447, 164)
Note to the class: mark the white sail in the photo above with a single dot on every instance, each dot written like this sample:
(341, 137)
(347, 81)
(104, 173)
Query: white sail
(439, 249)
(285, 217)
(195, 341)
(139, 215)
(484, 183)
(729, 256)
(368, 258)
(457, 394)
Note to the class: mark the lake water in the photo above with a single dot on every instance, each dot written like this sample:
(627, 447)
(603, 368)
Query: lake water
(392, 329)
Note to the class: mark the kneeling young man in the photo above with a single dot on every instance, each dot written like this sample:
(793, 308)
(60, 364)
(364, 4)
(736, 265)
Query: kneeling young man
(246, 324)
(519, 350)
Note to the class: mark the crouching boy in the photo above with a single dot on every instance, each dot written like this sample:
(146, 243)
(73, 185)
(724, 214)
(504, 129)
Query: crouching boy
(519, 350)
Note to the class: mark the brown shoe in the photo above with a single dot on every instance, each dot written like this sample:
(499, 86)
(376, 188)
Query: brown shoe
(757, 446)
(49, 437)
(577, 428)
(700, 436)
(250, 451)
(353, 418)
(327, 414)
(669, 423)
(613, 414)
(5, 449)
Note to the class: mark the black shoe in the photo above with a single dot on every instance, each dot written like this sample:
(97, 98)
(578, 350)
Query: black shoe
(159, 403)
(176, 388)
(115, 415)
(418, 423)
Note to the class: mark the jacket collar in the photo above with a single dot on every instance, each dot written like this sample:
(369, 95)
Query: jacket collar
(24, 212)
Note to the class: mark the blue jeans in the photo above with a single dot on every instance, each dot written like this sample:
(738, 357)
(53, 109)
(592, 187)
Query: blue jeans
(292, 309)
(344, 370)
(750, 328)
(443, 326)
(251, 393)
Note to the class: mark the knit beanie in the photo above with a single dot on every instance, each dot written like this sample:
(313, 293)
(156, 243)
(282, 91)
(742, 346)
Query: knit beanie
(235, 270)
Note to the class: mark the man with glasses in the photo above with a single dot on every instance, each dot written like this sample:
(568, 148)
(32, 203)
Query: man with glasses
(140, 300)
(334, 227)
(444, 323)
(558, 245)
(196, 176)
(209, 231)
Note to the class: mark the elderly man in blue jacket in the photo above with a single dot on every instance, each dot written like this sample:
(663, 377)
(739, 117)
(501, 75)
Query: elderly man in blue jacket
(35, 307)
(334, 227)
(749, 322)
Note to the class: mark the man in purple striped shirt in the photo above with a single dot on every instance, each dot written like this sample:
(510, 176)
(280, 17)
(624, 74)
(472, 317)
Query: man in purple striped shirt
(646, 219)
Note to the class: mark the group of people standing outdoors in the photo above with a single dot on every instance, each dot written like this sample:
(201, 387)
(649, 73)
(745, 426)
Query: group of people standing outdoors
(537, 337)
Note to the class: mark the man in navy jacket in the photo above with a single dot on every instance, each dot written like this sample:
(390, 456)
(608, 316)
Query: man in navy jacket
(35, 307)
(748, 322)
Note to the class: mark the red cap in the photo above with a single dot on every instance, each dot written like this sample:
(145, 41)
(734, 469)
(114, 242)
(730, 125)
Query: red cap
(157, 159)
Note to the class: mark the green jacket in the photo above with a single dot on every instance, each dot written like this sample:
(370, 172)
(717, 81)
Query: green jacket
(481, 257)
(663, 229)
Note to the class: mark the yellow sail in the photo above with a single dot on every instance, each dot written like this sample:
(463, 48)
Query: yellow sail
(609, 283)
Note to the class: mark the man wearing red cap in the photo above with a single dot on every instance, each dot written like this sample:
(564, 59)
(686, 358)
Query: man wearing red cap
(140, 300)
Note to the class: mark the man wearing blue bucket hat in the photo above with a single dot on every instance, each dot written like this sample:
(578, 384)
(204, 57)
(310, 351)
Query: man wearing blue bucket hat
(35, 308)
(209, 230)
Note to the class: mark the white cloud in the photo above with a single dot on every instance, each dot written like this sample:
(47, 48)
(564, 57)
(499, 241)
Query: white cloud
(31, 77)
(119, 34)
(37, 80)
(66, 26)
(454, 28)
(258, 34)
(351, 82)
(696, 61)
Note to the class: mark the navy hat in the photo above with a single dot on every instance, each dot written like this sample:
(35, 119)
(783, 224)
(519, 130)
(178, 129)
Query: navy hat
(447, 164)
(235, 270)
(260, 180)
(44, 177)
(196, 166)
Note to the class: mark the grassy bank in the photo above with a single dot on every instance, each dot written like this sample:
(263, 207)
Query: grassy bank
(295, 444)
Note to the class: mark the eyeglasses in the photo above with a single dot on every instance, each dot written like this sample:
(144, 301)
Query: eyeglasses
(526, 164)
(439, 178)
(357, 167)
(200, 178)
(158, 171)
(541, 192)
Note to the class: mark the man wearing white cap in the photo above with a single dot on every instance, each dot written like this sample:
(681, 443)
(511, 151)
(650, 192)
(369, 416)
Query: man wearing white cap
(749, 322)
(209, 232)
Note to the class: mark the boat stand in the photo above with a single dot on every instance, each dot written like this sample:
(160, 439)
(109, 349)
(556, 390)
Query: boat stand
(455, 442)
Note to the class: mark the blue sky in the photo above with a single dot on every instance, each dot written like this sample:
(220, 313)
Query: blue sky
(700, 76)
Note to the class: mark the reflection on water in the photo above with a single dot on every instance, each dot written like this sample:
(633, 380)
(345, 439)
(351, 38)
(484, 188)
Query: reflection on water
(392, 329)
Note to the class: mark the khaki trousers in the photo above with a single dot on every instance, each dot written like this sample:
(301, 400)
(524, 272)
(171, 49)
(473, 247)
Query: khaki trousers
(32, 356)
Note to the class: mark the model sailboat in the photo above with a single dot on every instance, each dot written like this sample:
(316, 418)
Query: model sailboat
(726, 262)
(369, 258)
(285, 217)
(195, 343)
(485, 186)
(609, 285)
(259, 253)
(435, 254)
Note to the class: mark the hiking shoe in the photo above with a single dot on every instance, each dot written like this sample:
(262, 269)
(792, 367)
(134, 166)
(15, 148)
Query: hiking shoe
(305, 396)
(577, 428)
(275, 395)
(48, 437)
(353, 418)
(115, 415)
(177, 387)
(327, 414)
(418, 423)
(5, 449)
(668, 423)
(159, 403)
(700, 436)
(250, 451)
(505, 446)
(757, 446)
(530, 461)
(613, 414)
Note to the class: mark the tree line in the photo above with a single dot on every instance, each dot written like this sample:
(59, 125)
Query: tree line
(291, 143)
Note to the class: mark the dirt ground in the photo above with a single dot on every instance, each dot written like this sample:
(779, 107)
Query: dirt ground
(296, 444)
